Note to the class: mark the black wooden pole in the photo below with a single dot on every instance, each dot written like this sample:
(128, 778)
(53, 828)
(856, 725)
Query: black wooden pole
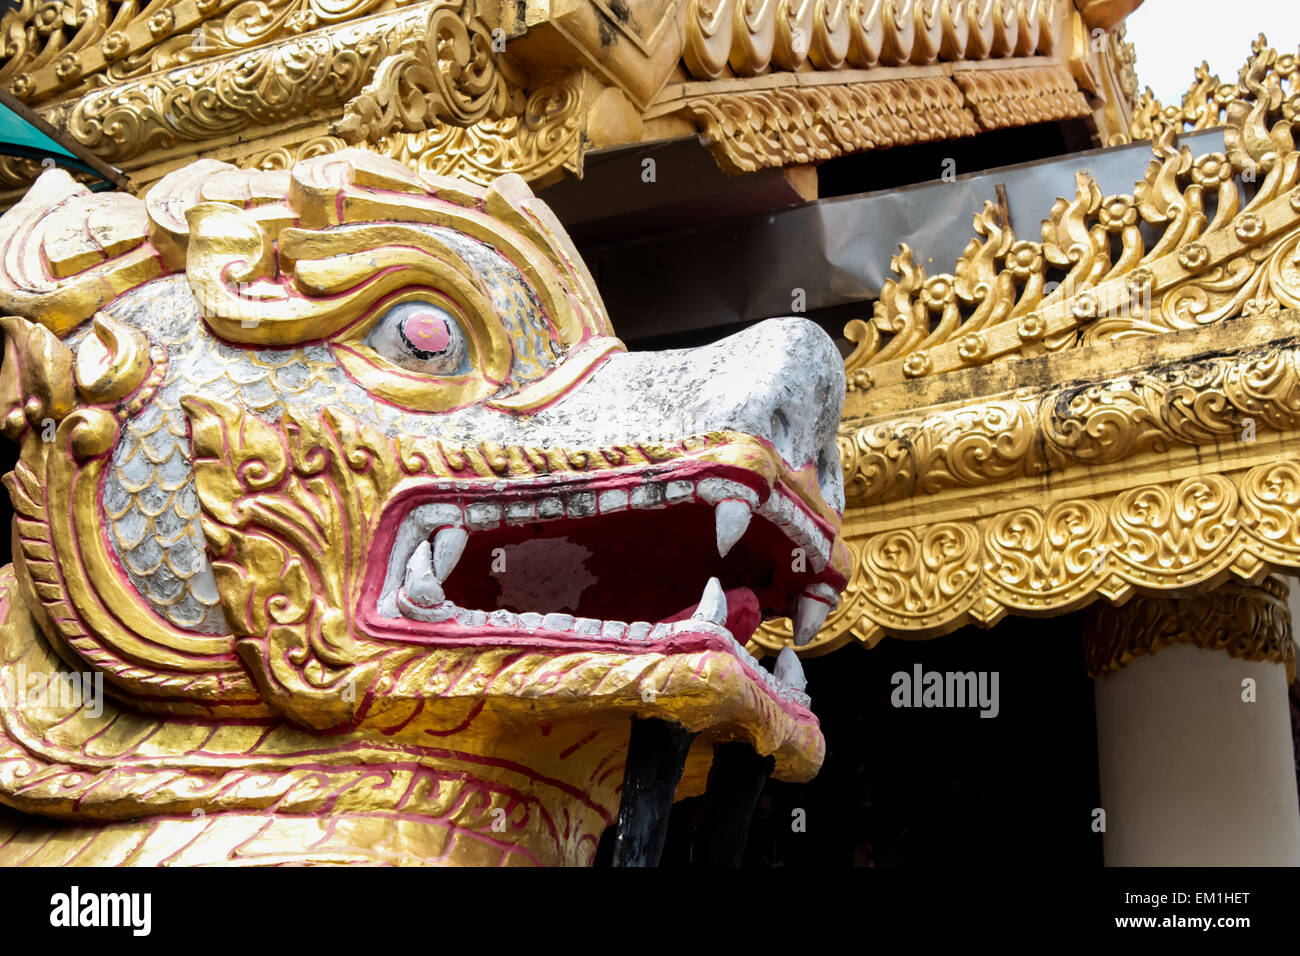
(656, 754)
(735, 782)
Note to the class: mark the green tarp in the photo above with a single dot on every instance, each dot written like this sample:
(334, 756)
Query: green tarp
(20, 138)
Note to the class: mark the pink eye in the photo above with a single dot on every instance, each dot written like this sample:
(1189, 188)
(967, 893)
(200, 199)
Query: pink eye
(426, 332)
(422, 337)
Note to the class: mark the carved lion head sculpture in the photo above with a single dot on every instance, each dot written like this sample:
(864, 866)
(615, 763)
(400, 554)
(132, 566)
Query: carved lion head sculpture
(374, 535)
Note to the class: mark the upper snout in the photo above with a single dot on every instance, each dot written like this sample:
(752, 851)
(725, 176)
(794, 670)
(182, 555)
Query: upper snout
(781, 380)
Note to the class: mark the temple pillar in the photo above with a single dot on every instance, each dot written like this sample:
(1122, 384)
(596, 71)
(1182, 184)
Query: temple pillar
(1193, 728)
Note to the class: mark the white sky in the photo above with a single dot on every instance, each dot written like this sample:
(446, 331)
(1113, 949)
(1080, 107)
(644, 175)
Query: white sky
(1172, 37)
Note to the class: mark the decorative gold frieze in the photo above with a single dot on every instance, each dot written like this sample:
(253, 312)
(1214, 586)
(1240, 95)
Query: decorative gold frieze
(1163, 466)
(1063, 552)
(148, 89)
(545, 136)
(1248, 622)
(1171, 476)
(772, 123)
(1199, 401)
(1022, 97)
(789, 125)
(60, 48)
(749, 38)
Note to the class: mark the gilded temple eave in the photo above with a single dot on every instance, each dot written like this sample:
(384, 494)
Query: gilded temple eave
(1093, 416)
(150, 91)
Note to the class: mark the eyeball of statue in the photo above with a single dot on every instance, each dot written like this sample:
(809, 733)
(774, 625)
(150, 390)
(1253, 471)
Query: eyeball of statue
(421, 337)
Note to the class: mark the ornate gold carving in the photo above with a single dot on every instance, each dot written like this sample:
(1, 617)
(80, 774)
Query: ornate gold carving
(283, 82)
(1036, 94)
(748, 37)
(448, 74)
(144, 87)
(1209, 101)
(1175, 535)
(275, 793)
(112, 361)
(113, 42)
(1200, 402)
(65, 275)
(545, 136)
(786, 126)
(1199, 270)
(1248, 622)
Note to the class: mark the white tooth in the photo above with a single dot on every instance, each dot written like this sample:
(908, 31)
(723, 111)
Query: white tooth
(615, 499)
(713, 606)
(555, 621)
(824, 591)
(448, 546)
(483, 516)
(415, 528)
(809, 616)
(647, 496)
(471, 618)
(788, 670)
(418, 612)
(521, 512)
(730, 518)
(678, 490)
(420, 584)
(713, 490)
(582, 504)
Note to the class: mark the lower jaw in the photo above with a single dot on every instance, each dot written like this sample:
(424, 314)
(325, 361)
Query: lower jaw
(698, 677)
(554, 727)
(537, 795)
(677, 635)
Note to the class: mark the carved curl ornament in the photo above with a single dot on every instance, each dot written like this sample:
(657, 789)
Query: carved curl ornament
(446, 74)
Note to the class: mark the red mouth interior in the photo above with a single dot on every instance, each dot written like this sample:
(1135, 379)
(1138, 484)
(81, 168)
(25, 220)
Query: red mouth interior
(647, 565)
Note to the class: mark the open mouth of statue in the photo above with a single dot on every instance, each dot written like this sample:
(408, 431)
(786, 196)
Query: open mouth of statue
(668, 560)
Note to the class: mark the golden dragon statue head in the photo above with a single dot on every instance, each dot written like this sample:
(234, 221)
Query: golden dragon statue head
(337, 482)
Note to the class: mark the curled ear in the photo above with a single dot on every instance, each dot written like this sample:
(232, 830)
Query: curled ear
(36, 377)
(111, 361)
